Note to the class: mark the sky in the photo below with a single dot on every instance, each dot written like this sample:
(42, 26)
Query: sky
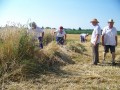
(56, 13)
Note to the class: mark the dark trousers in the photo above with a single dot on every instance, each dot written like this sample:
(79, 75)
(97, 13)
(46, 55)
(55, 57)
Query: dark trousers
(82, 39)
(40, 42)
(60, 40)
(95, 53)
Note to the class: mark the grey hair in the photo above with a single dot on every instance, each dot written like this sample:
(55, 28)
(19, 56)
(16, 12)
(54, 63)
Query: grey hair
(32, 24)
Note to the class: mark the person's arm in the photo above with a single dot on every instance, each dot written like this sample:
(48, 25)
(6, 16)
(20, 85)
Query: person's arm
(65, 36)
(42, 34)
(103, 39)
(116, 40)
(97, 37)
(103, 36)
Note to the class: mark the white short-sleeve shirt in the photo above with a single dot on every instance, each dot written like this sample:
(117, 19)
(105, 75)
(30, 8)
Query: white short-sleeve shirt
(96, 31)
(83, 34)
(36, 32)
(60, 34)
(109, 35)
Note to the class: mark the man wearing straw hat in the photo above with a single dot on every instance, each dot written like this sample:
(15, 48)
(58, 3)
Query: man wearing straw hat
(35, 32)
(109, 40)
(95, 40)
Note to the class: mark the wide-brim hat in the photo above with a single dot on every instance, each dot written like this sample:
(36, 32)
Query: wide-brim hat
(110, 21)
(94, 20)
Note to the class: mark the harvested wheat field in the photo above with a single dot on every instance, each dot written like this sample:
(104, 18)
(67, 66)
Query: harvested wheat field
(74, 71)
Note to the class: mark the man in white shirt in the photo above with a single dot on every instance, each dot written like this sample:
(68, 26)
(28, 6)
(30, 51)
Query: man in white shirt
(60, 35)
(109, 40)
(37, 33)
(83, 37)
(95, 40)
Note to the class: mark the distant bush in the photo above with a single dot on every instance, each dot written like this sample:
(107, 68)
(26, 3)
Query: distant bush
(89, 31)
(118, 32)
(78, 31)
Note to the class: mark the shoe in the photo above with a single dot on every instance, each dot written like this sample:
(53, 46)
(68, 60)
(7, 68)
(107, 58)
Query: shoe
(113, 63)
(94, 64)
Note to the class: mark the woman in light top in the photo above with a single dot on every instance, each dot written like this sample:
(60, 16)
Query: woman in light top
(60, 36)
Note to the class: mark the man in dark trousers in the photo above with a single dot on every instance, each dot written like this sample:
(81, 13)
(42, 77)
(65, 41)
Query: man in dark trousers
(95, 40)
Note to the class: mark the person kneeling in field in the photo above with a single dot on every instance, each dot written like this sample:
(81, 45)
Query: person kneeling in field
(35, 31)
(60, 36)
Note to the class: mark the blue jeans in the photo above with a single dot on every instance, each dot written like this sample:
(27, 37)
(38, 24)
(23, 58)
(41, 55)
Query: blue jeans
(60, 40)
(82, 39)
(40, 42)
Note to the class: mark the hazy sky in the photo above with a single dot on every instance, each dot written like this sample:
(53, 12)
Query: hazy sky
(54, 13)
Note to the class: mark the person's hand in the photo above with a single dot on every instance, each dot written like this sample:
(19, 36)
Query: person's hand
(94, 43)
(116, 44)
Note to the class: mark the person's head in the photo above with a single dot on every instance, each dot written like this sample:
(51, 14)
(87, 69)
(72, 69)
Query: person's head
(110, 23)
(94, 22)
(33, 25)
(61, 28)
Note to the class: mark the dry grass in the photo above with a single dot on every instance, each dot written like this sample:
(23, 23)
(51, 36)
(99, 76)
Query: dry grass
(79, 76)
